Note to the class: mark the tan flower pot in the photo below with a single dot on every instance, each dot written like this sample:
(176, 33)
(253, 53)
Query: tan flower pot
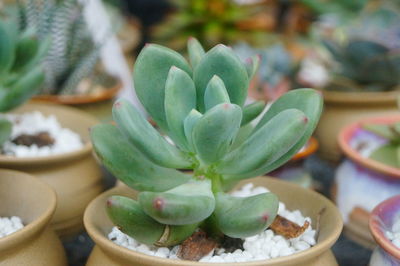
(34, 202)
(75, 176)
(342, 108)
(309, 202)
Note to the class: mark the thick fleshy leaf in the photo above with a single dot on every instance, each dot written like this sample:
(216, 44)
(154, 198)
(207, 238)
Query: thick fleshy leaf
(21, 90)
(127, 214)
(251, 111)
(5, 130)
(7, 49)
(129, 165)
(267, 144)
(150, 74)
(190, 121)
(388, 132)
(243, 217)
(189, 203)
(388, 154)
(215, 93)
(252, 64)
(221, 61)
(214, 133)
(146, 138)
(180, 99)
(196, 51)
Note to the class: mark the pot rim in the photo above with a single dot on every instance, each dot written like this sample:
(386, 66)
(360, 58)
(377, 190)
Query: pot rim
(7, 160)
(104, 243)
(310, 148)
(30, 230)
(347, 132)
(360, 97)
(375, 225)
(79, 99)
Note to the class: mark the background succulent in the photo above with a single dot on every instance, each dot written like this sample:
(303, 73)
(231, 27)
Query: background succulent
(20, 77)
(367, 52)
(200, 106)
(73, 55)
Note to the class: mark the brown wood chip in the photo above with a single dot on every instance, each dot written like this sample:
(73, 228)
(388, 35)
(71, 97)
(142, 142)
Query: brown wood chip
(287, 228)
(196, 247)
(40, 139)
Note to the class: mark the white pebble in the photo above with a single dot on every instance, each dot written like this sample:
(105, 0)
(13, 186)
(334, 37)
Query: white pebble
(9, 225)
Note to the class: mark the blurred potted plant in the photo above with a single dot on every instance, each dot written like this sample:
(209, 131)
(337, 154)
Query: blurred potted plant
(371, 146)
(74, 74)
(201, 107)
(364, 74)
(26, 199)
(31, 136)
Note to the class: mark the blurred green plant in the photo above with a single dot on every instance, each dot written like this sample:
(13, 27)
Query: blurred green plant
(342, 9)
(20, 75)
(73, 54)
(201, 108)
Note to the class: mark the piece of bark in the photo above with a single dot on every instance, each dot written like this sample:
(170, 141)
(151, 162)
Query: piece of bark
(287, 228)
(196, 247)
(40, 139)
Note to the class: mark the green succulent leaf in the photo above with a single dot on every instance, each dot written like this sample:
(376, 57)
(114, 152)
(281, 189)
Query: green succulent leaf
(221, 61)
(20, 91)
(266, 145)
(388, 154)
(252, 64)
(251, 111)
(243, 217)
(386, 131)
(214, 133)
(189, 203)
(190, 121)
(180, 99)
(146, 138)
(7, 50)
(129, 165)
(157, 60)
(5, 130)
(26, 49)
(196, 51)
(215, 93)
(127, 214)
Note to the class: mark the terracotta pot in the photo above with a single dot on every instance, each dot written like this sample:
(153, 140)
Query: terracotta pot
(75, 176)
(357, 175)
(382, 219)
(34, 202)
(309, 202)
(97, 104)
(342, 108)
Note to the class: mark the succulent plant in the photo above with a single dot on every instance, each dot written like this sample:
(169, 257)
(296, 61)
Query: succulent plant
(368, 54)
(20, 77)
(388, 153)
(200, 106)
(73, 54)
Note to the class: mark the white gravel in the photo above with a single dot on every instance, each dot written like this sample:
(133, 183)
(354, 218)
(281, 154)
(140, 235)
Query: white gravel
(394, 234)
(263, 246)
(32, 123)
(9, 225)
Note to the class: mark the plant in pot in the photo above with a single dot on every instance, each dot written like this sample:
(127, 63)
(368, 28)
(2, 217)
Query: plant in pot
(36, 138)
(201, 108)
(27, 205)
(364, 73)
(74, 74)
(370, 146)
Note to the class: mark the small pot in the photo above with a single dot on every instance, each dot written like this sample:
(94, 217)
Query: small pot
(75, 176)
(98, 225)
(342, 108)
(361, 183)
(97, 104)
(34, 202)
(382, 219)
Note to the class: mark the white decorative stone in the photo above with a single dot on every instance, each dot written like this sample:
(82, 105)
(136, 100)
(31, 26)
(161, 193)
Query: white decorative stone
(9, 225)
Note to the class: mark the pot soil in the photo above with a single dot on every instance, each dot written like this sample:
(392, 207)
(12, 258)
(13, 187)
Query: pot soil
(359, 174)
(75, 176)
(310, 203)
(342, 108)
(35, 202)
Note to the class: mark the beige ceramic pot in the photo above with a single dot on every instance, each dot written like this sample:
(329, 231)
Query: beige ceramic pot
(342, 108)
(34, 202)
(309, 202)
(75, 176)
